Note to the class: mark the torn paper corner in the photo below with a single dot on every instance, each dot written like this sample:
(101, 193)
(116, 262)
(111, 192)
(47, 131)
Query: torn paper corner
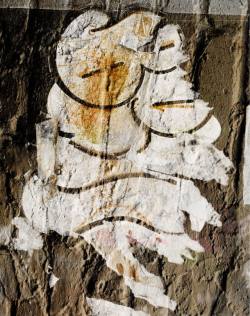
(53, 280)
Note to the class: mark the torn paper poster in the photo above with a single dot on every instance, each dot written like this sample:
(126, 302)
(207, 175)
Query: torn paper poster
(117, 160)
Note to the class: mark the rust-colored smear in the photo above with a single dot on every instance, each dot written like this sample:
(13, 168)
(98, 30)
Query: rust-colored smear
(162, 107)
(167, 44)
(106, 84)
(144, 26)
(92, 123)
(132, 272)
(120, 268)
(101, 87)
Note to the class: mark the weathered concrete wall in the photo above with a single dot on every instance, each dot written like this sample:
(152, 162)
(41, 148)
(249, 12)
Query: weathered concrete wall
(52, 262)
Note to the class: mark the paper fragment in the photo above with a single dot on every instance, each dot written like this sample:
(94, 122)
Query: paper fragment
(46, 134)
(101, 307)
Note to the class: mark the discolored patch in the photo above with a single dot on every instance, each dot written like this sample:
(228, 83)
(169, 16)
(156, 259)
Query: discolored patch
(92, 123)
(120, 268)
(144, 26)
(176, 105)
(132, 272)
(103, 75)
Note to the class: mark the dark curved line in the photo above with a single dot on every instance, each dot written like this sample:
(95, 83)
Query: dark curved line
(167, 46)
(158, 72)
(110, 219)
(175, 175)
(112, 179)
(133, 9)
(67, 91)
(149, 47)
(170, 135)
(147, 142)
(97, 71)
(206, 119)
(96, 153)
(92, 152)
(65, 134)
(172, 102)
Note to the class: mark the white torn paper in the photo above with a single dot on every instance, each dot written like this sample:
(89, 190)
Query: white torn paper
(53, 280)
(28, 238)
(114, 241)
(101, 307)
(46, 133)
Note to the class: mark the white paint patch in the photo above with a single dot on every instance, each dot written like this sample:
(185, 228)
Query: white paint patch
(101, 307)
(161, 104)
(53, 280)
(28, 238)
(246, 169)
(209, 132)
(185, 155)
(157, 202)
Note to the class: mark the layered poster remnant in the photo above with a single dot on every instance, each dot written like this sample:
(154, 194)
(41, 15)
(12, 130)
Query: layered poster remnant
(124, 139)
(124, 136)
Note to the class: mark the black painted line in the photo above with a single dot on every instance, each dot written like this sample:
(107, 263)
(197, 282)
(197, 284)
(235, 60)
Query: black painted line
(112, 179)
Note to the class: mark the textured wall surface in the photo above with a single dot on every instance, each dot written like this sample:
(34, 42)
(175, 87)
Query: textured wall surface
(121, 183)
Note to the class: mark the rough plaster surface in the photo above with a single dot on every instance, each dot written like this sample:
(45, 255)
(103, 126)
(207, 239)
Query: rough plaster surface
(64, 274)
(223, 7)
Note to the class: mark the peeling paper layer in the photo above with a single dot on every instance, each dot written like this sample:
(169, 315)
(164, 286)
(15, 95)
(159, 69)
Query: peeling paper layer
(114, 242)
(101, 307)
(184, 155)
(161, 205)
(46, 133)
